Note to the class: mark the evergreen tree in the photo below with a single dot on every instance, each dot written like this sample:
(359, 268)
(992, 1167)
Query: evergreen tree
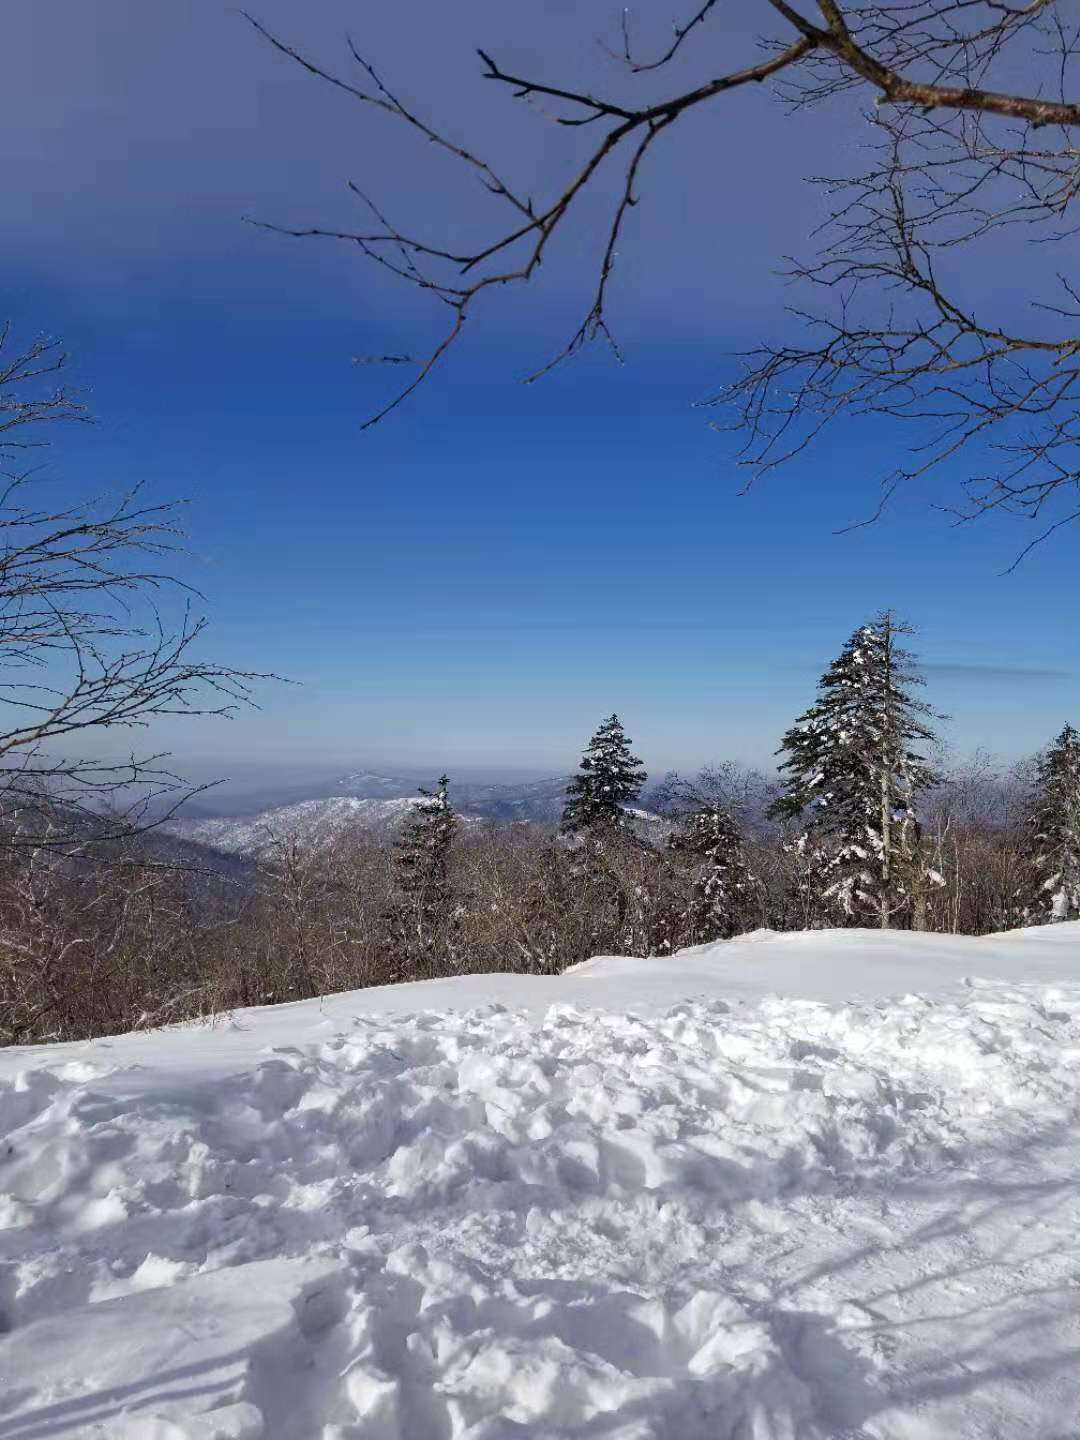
(608, 779)
(854, 770)
(1054, 827)
(724, 888)
(807, 875)
(422, 913)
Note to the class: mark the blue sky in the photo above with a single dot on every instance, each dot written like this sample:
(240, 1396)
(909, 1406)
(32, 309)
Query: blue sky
(479, 580)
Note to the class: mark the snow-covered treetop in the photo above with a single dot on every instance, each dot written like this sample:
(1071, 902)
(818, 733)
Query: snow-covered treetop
(609, 778)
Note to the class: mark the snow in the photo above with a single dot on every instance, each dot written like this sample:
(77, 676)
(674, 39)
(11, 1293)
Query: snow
(817, 1185)
(312, 822)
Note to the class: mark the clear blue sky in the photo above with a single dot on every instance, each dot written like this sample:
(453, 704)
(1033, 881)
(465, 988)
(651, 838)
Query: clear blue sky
(487, 574)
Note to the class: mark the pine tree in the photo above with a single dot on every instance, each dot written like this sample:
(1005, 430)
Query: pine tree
(609, 778)
(422, 911)
(807, 876)
(854, 770)
(1054, 826)
(724, 888)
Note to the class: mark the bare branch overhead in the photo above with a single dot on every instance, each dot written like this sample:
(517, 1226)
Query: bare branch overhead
(972, 114)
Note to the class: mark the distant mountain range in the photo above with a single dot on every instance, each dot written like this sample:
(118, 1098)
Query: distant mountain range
(370, 802)
(312, 822)
(229, 847)
(364, 801)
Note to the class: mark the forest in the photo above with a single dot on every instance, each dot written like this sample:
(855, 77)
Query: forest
(864, 824)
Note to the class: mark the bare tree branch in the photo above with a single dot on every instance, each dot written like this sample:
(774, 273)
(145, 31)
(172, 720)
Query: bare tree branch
(960, 156)
(85, 645)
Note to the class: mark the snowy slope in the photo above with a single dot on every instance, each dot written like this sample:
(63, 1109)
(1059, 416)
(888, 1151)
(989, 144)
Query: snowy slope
(707, 1198)
(313, 822)
(322, 820)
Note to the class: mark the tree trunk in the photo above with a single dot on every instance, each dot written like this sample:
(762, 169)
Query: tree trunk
(918, 921)
(886, 762)
(886, 847)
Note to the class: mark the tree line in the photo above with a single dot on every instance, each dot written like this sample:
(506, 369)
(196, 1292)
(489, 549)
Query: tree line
(857, 808)
(859, 827)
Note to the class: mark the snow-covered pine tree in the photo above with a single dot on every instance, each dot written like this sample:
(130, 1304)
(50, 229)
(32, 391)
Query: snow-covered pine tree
(608, 779)
(806, 862)
(1054, 826)
(724, 889)
(854, 769)
(422, 912)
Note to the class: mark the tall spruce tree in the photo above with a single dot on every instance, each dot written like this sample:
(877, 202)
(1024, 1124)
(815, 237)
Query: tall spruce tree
(854, 769)
(422, 911)
(1054, 827)
(724, 888)
(608, 779)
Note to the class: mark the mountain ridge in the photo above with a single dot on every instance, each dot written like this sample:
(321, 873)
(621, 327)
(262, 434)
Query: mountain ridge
(317, 820)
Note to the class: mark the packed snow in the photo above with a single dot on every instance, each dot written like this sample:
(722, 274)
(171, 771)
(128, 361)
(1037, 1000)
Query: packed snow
(821, 1185)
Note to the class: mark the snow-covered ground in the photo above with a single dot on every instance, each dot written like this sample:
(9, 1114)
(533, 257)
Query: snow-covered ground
(792, 1186)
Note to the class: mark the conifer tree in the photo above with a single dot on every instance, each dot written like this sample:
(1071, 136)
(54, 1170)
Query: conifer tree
(807, 876)
(724, 887)
(423, 908)
(1054, 827)
(854, 768)
(608, 779)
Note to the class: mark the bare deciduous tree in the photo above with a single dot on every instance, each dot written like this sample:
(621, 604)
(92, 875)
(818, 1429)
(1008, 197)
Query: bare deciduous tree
(84, 646)
(969, 111)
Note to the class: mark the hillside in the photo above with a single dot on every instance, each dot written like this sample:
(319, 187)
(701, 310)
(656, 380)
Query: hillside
(318, 821)
(312, 822)
(815, 1185)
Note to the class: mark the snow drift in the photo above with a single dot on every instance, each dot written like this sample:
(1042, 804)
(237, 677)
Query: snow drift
(791, 1186)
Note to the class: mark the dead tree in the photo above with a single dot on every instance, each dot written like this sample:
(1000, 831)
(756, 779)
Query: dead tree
(86, 643)
(969, 110)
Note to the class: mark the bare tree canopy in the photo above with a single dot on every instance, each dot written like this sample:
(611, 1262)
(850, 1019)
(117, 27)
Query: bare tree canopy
(85, 647)
(968, 112)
